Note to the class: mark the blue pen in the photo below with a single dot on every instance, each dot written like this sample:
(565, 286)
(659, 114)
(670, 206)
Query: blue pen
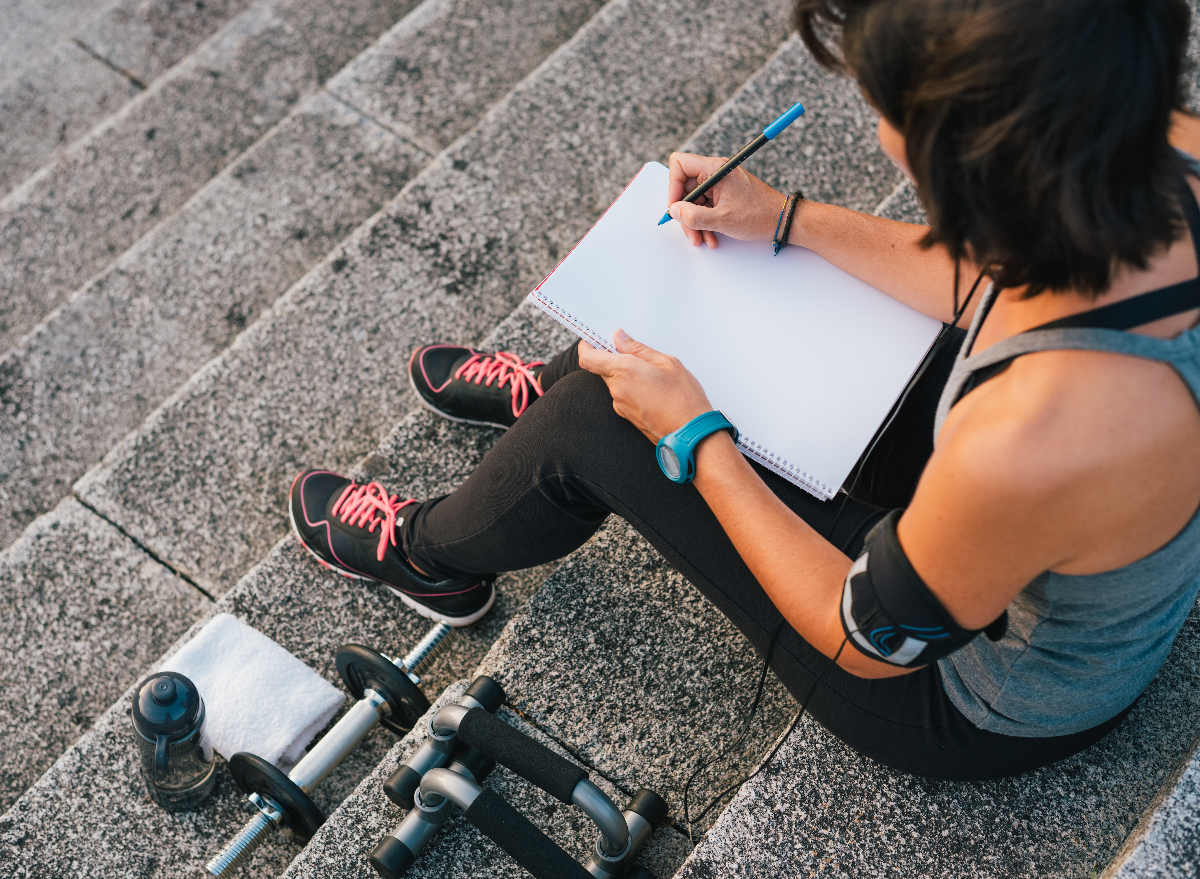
(746, 152)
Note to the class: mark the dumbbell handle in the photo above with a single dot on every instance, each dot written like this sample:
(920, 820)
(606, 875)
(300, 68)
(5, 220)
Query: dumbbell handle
(336, 744)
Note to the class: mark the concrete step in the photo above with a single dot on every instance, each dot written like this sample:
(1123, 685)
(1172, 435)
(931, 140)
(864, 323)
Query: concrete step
(343, 845)
(74, 217)
(1166, 842)
(96, 68)
(88, 374)
(85, 610)
(321, 375)
(818, 808)
(31, 28)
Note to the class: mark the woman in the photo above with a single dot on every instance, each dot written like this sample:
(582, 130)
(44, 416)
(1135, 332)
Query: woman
(1058, 510)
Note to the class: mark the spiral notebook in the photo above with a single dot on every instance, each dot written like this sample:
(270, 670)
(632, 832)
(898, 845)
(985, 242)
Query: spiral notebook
(804, 358)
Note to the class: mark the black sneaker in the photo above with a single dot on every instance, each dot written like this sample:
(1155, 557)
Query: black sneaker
(351, 528)
(465, 385)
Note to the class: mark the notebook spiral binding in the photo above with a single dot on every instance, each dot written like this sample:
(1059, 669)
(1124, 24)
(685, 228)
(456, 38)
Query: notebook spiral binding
(749, 448)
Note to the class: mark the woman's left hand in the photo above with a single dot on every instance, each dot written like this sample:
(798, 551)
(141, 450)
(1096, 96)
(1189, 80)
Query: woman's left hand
(650, 389)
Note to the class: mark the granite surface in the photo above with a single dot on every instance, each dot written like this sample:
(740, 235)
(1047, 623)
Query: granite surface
(819, 809)
(1166, 843)
(902, 205)
(343, 845)
(74, 217)
(144, 38)
(91, 372)
(79, 82)
(621, 659)
(84, 612)
(434, 74)
(203, 481)
(31, 28)
(831, 153)
(51, 104)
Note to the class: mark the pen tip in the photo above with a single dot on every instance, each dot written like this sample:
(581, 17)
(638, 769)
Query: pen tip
(666, 218)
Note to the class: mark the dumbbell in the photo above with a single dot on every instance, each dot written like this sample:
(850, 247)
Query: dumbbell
(622, 834)
(387, 694)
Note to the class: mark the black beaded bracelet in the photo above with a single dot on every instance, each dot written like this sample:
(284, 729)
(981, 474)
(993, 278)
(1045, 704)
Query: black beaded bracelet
(784, 227)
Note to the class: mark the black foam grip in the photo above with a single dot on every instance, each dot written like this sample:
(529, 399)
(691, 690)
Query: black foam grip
(535, 763)
(391, 858)
(527, 845)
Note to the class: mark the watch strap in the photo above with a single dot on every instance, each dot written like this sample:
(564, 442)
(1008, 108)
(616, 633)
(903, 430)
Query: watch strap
(702, 425)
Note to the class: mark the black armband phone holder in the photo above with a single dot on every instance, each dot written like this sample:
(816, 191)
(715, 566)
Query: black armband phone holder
(889, 614)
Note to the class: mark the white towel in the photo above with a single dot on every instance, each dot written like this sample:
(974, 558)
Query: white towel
(257, 696)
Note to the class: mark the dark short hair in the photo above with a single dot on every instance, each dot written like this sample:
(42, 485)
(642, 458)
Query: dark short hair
(1036, 130)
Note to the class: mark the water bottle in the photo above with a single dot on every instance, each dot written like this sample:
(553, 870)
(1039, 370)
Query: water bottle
(168, 720)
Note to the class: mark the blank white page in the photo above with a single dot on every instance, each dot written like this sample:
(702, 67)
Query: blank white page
(803, 358)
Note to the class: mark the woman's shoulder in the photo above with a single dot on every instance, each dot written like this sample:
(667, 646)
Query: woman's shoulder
(1101, 448)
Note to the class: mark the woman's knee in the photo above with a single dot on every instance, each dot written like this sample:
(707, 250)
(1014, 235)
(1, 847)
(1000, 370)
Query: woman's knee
(577, 399)
(574, 424)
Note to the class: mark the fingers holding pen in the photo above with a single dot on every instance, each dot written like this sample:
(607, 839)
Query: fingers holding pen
(687, 170)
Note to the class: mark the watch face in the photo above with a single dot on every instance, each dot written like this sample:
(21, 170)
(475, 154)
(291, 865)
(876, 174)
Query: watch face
(668, 461)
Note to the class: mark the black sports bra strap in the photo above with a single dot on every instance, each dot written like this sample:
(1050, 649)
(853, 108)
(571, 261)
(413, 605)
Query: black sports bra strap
(1152, 306)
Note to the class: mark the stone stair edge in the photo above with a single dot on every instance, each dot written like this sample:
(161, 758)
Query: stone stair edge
(71, 218)
(1157, 845)
(129, 44)
(433, 20)
(21, 190)
(85, 607)
(88, 342)
(142, 242)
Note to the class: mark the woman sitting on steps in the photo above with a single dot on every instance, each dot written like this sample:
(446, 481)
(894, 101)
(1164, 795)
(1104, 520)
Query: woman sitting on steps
(1058, 510)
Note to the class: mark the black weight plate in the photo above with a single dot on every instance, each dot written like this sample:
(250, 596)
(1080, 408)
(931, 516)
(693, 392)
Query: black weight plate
(364, 669)
(254, 775)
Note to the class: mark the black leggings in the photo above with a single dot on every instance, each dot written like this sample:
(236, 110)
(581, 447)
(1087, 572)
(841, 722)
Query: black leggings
(570, 461)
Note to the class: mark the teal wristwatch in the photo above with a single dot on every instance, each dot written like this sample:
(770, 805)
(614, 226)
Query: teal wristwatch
(676, 450)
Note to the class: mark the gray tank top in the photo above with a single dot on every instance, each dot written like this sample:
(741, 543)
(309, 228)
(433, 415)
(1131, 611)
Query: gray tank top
(1079, 649)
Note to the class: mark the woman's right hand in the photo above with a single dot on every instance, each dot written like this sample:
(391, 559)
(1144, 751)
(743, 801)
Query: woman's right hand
(740, 206)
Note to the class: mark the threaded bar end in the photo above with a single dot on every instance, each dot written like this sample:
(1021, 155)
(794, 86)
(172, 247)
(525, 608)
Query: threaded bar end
(428, 648)
(239, 849)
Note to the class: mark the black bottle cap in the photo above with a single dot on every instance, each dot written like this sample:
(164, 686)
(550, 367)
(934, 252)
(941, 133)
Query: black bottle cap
(167, 708)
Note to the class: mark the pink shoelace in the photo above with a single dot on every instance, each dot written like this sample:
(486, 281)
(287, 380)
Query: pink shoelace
(503, 368)
(369, 505)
